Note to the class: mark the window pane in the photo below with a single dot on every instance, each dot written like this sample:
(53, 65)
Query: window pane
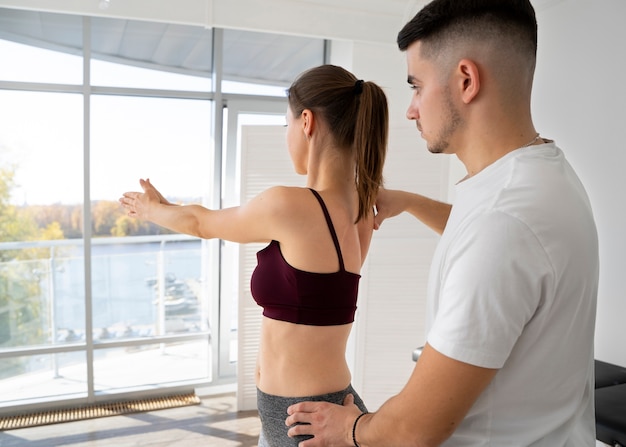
(246, 88)
(67, 286)
(147, 287)
(39, 376)
(148, 281)
(26, 305)
(42, 288)
(110, 74)
(41, 145)
(166, 140)
(137, 54)
(41, 181)
(31, 40)
(151, 364)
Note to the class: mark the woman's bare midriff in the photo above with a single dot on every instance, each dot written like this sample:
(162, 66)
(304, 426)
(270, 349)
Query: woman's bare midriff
(298, 360)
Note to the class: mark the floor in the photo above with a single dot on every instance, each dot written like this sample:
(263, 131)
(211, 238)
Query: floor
(212, 423)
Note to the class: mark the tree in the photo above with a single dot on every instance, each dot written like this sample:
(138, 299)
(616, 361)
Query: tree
(104, 215)
(20, 295)
(69, 218)
(14, 225)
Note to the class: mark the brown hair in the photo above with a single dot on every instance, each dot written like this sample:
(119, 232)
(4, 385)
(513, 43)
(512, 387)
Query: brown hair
(357, 117)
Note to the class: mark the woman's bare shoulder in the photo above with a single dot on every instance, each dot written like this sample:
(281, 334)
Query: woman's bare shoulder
(286, 201)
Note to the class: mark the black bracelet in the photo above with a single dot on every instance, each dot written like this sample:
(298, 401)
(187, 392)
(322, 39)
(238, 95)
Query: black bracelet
(354, 428)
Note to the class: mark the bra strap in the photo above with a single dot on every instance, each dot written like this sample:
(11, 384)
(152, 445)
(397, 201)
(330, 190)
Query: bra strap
(330, 227)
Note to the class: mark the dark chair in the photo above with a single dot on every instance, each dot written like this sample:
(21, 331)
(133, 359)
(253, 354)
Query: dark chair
(610, 404)
(608, 374)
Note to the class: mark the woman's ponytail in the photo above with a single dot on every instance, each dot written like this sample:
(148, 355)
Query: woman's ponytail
(370, 144)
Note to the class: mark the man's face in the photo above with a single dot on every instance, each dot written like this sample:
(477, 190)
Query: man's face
(432, 104)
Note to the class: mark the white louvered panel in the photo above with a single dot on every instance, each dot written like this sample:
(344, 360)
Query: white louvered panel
(392, 313)
(248, 338)
(409, 166)
(392, 325)
(412, 167)
(265, 162)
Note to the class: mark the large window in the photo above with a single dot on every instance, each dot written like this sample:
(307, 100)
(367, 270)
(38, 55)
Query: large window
(86, 292)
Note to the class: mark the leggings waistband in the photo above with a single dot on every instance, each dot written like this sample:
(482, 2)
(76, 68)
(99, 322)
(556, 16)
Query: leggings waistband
(276, 406)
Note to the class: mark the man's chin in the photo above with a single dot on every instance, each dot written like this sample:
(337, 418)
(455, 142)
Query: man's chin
(435, 149)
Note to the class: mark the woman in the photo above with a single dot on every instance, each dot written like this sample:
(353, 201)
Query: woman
(307, 277)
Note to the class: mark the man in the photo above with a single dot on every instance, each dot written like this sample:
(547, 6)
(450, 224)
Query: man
(513, 283)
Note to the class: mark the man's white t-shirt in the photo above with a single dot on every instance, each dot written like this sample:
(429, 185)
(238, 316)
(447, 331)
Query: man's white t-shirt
(513, 286)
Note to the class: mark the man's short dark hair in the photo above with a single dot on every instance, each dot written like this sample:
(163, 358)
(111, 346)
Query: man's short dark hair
(442, 20)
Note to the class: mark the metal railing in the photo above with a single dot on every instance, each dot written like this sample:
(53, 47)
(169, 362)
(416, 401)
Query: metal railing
(180, 312)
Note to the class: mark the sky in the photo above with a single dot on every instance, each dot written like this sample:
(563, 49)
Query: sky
(41, 134)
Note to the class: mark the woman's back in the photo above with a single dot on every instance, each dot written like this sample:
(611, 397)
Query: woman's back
(309, 359)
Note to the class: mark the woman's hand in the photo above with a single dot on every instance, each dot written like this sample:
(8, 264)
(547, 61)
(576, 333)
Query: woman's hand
(432, 213)
(388, 204)
(139, 204)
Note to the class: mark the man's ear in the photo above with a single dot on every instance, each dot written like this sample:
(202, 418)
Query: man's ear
(469, 80)
(308, 122)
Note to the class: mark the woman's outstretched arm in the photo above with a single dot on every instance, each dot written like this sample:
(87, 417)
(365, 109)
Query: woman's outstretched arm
(252, 222)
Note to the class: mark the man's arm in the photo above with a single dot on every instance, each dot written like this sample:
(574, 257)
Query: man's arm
(425, 413)
(432, 213)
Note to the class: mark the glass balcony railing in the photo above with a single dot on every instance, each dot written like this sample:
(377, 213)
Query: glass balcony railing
(143, 310)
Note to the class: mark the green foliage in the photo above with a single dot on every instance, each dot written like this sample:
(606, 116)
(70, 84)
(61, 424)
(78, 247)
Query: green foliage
(22, 305)
(68, 217)
(6, 184)
(21, 295)
(14, 224)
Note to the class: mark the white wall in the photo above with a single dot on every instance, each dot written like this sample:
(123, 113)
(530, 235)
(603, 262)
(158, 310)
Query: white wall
(580, 101)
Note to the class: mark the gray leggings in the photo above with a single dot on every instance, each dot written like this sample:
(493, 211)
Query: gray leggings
(273, 412)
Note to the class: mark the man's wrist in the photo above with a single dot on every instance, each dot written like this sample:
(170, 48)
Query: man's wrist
(354, 426)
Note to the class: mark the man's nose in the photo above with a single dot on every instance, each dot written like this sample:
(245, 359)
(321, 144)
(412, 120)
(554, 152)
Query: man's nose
(412, 112)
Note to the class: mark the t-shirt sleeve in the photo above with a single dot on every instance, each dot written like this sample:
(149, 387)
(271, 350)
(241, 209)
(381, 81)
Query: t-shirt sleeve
(491, 278)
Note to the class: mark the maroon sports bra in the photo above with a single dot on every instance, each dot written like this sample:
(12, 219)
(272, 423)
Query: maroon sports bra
(296, 296)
